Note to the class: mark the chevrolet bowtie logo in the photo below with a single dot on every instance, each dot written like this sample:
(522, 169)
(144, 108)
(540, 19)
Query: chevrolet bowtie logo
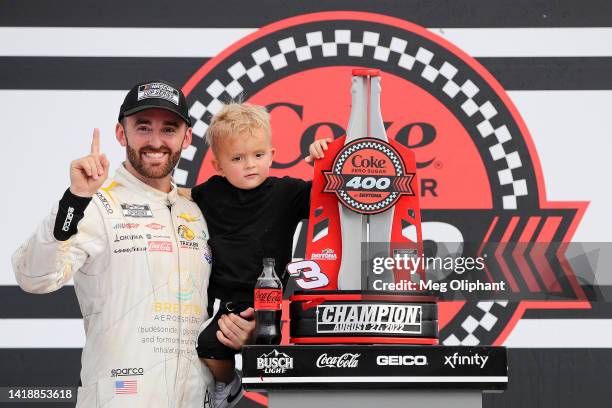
(188, 218)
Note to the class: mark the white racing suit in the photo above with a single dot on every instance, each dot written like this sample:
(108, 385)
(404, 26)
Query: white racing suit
(141, 264)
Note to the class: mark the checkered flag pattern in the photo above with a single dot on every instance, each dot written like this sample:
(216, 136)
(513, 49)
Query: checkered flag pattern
(357, 43)
(475, 325)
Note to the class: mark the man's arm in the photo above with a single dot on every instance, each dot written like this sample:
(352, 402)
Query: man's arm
(57, 249)
(44, 263)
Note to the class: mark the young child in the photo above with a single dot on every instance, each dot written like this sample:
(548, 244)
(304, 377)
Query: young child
(250, 216)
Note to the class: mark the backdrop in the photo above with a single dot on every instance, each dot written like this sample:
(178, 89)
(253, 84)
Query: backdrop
(506, 105)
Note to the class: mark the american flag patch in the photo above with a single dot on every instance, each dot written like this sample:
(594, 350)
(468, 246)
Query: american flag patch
(126, 387)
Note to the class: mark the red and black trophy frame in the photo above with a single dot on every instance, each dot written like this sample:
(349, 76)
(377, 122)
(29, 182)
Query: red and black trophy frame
(364, 190)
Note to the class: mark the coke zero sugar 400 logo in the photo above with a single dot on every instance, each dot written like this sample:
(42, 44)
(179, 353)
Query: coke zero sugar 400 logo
(478, 170)
(368, 176)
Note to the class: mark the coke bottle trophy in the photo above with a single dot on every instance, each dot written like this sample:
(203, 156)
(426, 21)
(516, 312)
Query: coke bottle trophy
(364, 192)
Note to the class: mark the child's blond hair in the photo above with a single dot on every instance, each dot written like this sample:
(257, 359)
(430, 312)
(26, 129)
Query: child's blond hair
(236, 118)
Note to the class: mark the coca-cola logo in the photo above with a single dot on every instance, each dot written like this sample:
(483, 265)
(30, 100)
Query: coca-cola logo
(268, 296)
(160, 246)
(346, 360)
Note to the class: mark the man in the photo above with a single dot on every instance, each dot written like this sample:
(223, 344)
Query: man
(139, 259)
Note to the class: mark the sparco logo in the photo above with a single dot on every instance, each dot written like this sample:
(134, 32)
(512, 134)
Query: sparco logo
(479, 173)
(105, 203)
(462, 360)
(401, 360)
(274, 362)
(126, 372)
(68, 220)
(347, 360)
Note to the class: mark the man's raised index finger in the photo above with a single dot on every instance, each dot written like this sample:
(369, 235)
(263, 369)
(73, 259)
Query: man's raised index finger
(95, 142)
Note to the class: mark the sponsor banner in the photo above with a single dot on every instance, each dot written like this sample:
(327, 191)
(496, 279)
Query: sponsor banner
(386, 366)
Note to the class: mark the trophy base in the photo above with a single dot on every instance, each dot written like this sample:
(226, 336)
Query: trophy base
(363, 317)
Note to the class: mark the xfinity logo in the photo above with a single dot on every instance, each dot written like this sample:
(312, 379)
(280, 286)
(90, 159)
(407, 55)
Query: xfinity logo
(68, 219)
(457, 360)
(401, 360)
(347, 360)
(274, 362)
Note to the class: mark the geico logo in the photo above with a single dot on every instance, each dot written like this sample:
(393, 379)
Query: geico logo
(401, 360)
(119, 372)
(177, 308)
(68, 220)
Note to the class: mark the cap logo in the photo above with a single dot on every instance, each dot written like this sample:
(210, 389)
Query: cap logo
(158, 90)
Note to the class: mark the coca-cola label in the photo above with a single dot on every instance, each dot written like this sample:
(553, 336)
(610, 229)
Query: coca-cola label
(160, 246)
(346, 360)
(268, 299)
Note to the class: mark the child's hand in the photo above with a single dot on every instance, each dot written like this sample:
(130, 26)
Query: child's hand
(317, 149)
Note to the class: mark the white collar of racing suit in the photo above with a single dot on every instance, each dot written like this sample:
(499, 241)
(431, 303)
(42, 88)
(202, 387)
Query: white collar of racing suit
(124, 177)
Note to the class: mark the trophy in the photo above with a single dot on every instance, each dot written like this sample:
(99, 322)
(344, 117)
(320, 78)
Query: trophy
(365, 225)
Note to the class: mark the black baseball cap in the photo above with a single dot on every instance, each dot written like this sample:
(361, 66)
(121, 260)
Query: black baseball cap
(155, 94)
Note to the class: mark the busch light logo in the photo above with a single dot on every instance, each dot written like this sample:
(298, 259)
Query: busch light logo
(274, 362)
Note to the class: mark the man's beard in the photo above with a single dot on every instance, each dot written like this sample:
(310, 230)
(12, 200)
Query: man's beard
(148, 171)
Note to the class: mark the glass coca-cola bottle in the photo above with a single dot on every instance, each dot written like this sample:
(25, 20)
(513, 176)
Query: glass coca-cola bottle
(268, 305)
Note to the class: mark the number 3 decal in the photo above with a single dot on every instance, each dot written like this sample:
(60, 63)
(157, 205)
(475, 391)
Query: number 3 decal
(307, 274)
